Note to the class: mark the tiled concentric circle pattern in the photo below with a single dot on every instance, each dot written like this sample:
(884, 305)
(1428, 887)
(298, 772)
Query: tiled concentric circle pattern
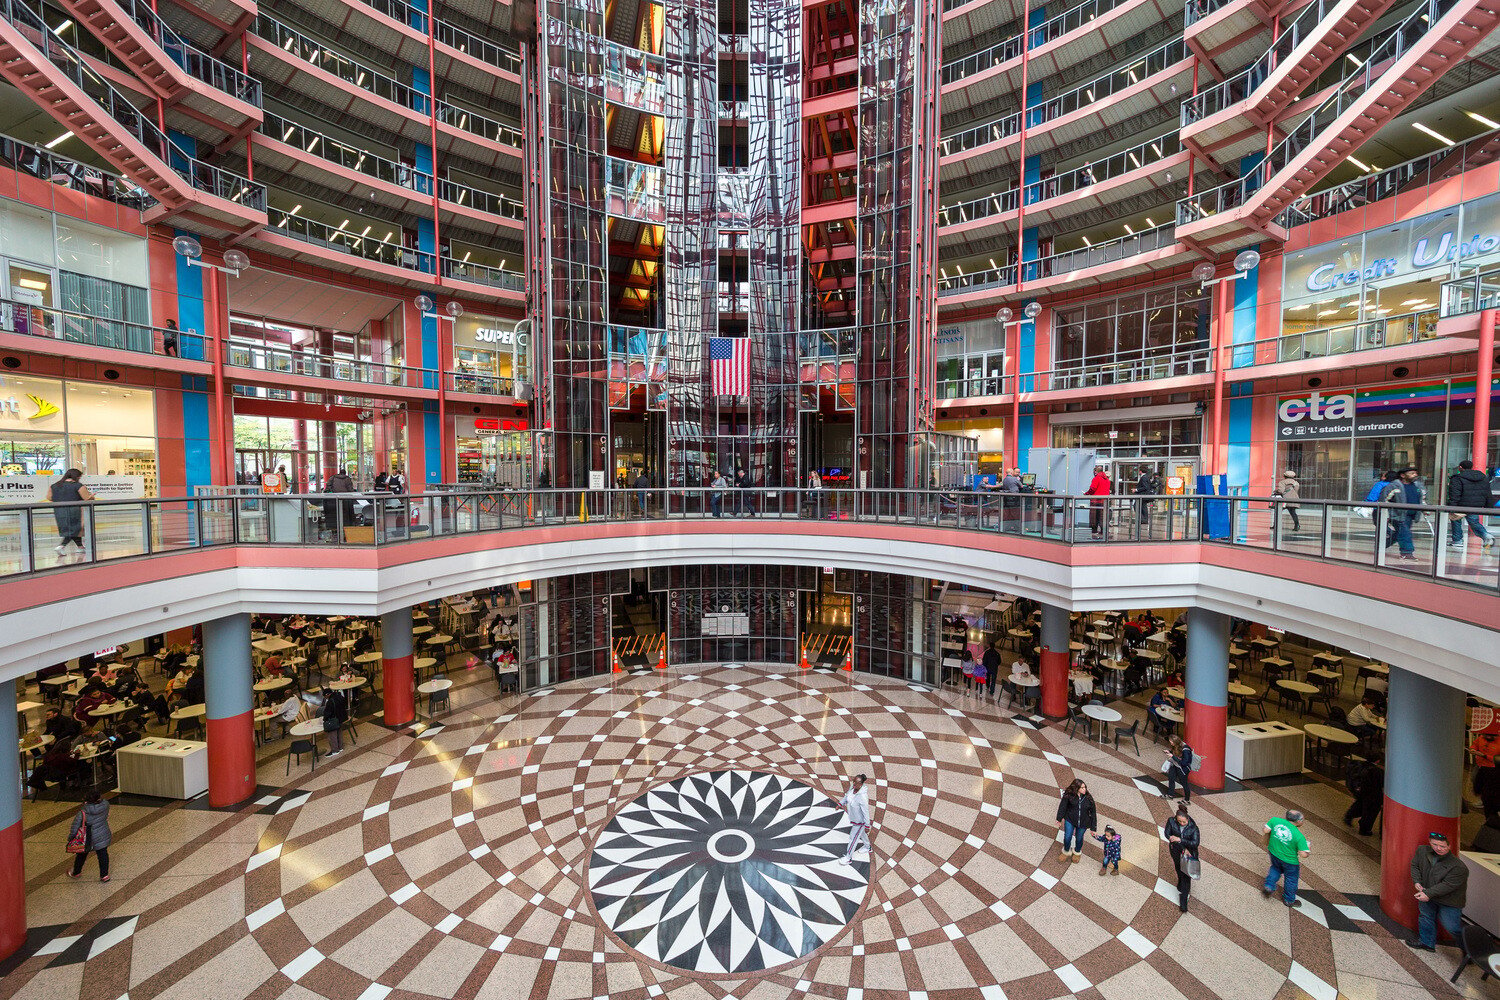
(726, 872)
(459, 863)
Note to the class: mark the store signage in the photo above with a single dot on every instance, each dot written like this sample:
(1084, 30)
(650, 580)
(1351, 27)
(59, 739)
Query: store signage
(1384, 411)
(493, 425)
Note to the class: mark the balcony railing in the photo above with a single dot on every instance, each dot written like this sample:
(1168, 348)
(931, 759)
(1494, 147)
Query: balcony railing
(483, 274)
(635, 190)
(1335, 341)
(634, 78)
(1313, 130)
(197, 63)
(115, 334)
(1386, 183)
(1242, 84)
(304, 48)
(347, 241)
(1352, 534)
(480, 383)
(285, 361)
(1081, 96)
(38, 161)
(201, 176)
(1049, 30)
(1474, 293)
(476, 124)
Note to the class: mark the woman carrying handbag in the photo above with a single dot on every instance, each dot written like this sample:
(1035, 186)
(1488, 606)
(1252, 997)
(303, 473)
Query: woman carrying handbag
(91, 832)
(1182, 841)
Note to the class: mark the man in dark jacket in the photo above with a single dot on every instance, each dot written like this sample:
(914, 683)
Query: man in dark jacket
(1468, 488)
(1440, 880)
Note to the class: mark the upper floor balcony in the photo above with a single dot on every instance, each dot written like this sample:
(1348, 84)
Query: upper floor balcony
(296, 147)
(1086, 187)
(1089, 265)
(1087, 109)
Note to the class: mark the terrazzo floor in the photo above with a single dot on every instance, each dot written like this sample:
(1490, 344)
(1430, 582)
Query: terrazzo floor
(512, 849)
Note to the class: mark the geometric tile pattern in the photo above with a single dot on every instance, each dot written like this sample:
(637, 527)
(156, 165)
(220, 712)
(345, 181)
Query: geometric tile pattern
(457, 864)
(726, 872)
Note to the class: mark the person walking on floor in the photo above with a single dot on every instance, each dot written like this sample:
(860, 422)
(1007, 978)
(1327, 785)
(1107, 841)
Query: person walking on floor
(856, 806)
(1183, 840)
(335, 711)
(1441, 881)
(1179, 763)
(1468, 488)
(69, 490)
(93, 820)
(1290, 492)
(1287, 847)
(1368, 786)
(1076, 813)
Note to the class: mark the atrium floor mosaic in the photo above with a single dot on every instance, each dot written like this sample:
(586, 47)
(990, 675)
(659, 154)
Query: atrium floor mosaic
(677, 834)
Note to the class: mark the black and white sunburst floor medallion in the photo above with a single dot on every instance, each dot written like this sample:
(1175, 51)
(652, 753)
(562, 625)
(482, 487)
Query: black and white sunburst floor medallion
(727, 872)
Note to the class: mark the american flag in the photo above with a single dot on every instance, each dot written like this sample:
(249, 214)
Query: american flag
(729, 364)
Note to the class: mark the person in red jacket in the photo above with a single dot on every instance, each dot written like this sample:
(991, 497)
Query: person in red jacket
(1100, 486)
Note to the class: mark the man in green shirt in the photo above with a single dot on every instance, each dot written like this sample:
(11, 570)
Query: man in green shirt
(1287, 847)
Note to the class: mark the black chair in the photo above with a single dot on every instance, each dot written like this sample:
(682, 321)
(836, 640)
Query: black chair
(1128, 732)
(1478, 947)
(299, 747)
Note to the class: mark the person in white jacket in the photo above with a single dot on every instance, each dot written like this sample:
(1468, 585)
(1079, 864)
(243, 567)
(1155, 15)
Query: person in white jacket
(857, 806)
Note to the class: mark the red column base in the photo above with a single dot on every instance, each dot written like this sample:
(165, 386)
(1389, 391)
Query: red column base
(231, 759)
(1054, 674)
(12, 891)
(397, 681)
(1204, 728)
(1402, 831)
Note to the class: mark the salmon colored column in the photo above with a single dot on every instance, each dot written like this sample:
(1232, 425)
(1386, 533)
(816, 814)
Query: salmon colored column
(229, 703)
(1206, 717)
(397, 675)
(1054, 661)
(12, 855)
(1424, 779)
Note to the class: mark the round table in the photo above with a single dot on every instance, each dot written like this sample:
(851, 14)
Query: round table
(1102, 714)
(113, 708)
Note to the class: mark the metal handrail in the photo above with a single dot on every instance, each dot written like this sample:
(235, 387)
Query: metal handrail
(1349, 533)
(199, 64)
(97, 331)
(200, 175)
(1307, 133)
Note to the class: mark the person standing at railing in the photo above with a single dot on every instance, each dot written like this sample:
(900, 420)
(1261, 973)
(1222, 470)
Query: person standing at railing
(1469, 488)
(69, 490)
(1100, 486)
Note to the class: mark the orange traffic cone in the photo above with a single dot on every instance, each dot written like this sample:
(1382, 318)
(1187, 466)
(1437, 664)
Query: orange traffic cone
(849, 659)
(804, 664)
(661, 663)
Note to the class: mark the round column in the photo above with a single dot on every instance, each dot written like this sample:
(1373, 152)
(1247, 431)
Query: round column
(1054, 661)
(12, 855)
(1206, 677)
(1424, 776)
(229, 704)
(397, 669)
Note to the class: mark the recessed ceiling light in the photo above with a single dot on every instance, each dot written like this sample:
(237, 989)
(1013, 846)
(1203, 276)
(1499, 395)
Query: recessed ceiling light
(1435, 134)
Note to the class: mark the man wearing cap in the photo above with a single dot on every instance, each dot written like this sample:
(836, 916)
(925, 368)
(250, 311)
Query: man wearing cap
(1440, 880)
(1287, 847)
(857, 806)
